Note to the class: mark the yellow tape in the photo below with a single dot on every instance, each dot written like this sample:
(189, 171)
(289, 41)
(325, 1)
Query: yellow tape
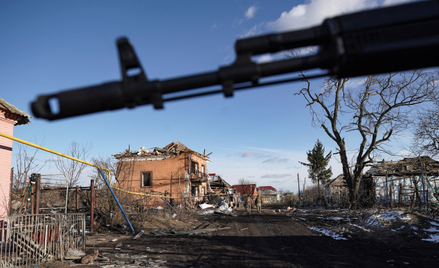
(151, 195)
(129, 192)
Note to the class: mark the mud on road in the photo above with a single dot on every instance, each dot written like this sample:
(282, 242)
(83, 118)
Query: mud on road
(268, 239)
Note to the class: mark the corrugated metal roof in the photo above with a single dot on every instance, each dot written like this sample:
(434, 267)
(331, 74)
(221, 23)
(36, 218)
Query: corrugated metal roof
(9, 107)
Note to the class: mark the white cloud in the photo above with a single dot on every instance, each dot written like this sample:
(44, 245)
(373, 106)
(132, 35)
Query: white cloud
(248, 154)
(276, 160)
(237, 22)
(253, 31)
(250, 13)
(276, 176)
(268, 150)
(355, 82)
(315, 11)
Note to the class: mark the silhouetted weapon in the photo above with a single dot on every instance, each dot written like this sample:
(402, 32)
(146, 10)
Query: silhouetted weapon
(383, 40)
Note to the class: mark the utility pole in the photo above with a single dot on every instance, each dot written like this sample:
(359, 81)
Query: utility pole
(298, 187)
(303, 192)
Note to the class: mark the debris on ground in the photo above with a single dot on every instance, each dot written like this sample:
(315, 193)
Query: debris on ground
(138, 235)
(368, 223)
(191, 232)
(205, 206)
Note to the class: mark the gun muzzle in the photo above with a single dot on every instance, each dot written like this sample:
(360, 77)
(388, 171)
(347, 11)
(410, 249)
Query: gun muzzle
(107, 96)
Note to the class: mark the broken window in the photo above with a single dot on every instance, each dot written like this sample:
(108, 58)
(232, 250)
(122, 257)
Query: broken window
(146, 179)
(195, 191)
(195, 167)
(203, 169)
(202, 190)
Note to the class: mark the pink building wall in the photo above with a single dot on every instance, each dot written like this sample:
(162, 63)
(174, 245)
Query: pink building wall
(10, 116)
(7, 127)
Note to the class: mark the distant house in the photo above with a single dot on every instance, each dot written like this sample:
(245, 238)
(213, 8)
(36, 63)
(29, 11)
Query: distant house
(337, 190)
(267, 188)
(174, 170)
(243, 190)
(269, 194)
(10, 116)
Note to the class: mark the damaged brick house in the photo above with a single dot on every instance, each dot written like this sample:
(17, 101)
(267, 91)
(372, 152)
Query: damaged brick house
(174, 170)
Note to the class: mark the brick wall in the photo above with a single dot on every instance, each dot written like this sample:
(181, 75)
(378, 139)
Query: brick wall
(130, 175)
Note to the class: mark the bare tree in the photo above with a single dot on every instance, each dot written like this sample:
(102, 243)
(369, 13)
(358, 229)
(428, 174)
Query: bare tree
(25, 164)
(70, 168)
(426, 132)
(246, 186)
(376, 111)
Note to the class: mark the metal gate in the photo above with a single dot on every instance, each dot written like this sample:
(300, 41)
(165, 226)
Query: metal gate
(28, 240)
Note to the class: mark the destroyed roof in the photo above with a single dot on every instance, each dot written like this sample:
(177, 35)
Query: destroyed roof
(407, 166)
(174, 148)
(337, 181)
(219, 183)
(4, 105)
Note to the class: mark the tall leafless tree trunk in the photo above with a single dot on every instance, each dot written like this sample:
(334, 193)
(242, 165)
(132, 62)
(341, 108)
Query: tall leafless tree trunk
(377, 110)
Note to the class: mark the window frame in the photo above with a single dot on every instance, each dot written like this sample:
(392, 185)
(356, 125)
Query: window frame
(142, 179)
(194, 167)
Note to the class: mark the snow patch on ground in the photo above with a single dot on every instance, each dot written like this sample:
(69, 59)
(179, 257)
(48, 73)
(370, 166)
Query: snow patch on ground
(342, 225)
(331, 233)
(433, 232)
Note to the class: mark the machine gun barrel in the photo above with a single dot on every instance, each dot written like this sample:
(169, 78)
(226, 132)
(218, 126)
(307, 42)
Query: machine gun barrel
(375, 41)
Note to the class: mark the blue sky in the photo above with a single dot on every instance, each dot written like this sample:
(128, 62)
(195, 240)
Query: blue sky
(259, 134)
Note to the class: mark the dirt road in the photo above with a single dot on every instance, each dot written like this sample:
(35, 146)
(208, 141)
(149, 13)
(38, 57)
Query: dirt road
(274, 240)
(268, 239)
